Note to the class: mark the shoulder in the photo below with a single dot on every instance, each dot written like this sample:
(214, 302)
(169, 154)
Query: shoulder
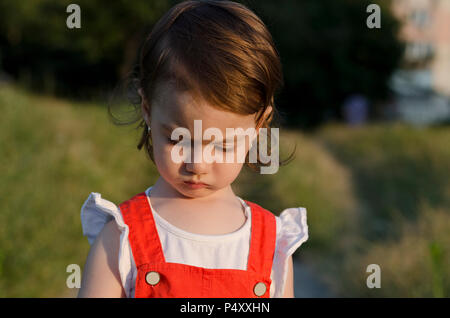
(135, 208)
(110, 234)
(96, 212)
(256, 208)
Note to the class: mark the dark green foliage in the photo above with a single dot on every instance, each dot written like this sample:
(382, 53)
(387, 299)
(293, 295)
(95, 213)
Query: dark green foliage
(326, 48)
(39, 50)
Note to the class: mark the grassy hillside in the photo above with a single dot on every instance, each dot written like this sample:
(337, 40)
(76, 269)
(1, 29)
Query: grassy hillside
(53, 154)
(401, 177)
(380, 194)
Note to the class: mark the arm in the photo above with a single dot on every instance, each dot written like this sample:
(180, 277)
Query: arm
(289, 286)
(101, 276)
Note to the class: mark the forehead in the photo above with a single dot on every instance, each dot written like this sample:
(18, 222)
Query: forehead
(181, 108)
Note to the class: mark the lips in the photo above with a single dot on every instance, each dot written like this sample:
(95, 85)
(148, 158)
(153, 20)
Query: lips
(194, 182)
(195, 185)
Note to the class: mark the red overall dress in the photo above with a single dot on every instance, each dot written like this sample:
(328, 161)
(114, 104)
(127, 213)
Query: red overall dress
(158, 278)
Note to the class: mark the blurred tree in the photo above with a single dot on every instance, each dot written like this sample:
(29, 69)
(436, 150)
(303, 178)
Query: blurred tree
(326, 48)
(329, 53)
(35, 40)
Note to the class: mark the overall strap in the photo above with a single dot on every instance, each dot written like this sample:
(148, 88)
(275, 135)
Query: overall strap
(143, 235)
(263, 240)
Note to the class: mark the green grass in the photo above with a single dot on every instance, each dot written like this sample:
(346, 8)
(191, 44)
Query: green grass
(401, 176)
(53, 154)
(395, 168)
(380, 194)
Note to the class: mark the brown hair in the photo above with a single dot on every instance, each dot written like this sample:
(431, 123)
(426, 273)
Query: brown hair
(217, 50)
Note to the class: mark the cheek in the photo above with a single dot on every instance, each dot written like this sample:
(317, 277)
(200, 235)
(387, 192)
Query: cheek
(226, 173)
(162, 155)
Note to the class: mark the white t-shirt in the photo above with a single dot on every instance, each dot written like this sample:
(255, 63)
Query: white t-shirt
(227, 251)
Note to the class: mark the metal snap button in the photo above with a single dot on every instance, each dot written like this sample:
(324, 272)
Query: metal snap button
(152, 278)
(259, 289)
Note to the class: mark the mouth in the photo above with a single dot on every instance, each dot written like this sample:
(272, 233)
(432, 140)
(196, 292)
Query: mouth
(195, 185)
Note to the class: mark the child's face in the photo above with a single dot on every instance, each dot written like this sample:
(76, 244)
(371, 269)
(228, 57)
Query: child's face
(174, 109)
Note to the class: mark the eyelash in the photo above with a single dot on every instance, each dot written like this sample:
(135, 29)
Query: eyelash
(224, 148)
(173, 142)
(219, 147)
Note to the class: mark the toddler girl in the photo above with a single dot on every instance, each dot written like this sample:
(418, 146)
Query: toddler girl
(189, 235)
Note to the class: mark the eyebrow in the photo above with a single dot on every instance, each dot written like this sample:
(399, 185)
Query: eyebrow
(169, 127)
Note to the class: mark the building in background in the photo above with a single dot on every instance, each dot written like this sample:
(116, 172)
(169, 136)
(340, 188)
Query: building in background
(426, 31)
(423, 83)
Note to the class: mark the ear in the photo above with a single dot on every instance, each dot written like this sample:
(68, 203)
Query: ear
(144, 107)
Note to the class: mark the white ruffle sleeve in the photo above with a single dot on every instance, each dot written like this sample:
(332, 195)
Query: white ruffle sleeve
(95, 213)
(292, 231)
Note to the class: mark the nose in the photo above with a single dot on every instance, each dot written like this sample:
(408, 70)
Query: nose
(197, 168)
(197, 164)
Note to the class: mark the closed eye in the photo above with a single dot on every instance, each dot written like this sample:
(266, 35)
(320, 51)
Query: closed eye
(224, 147)
(171, 141)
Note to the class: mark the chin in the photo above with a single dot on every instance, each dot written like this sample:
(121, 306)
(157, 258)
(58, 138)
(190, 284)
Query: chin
(196, 193)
